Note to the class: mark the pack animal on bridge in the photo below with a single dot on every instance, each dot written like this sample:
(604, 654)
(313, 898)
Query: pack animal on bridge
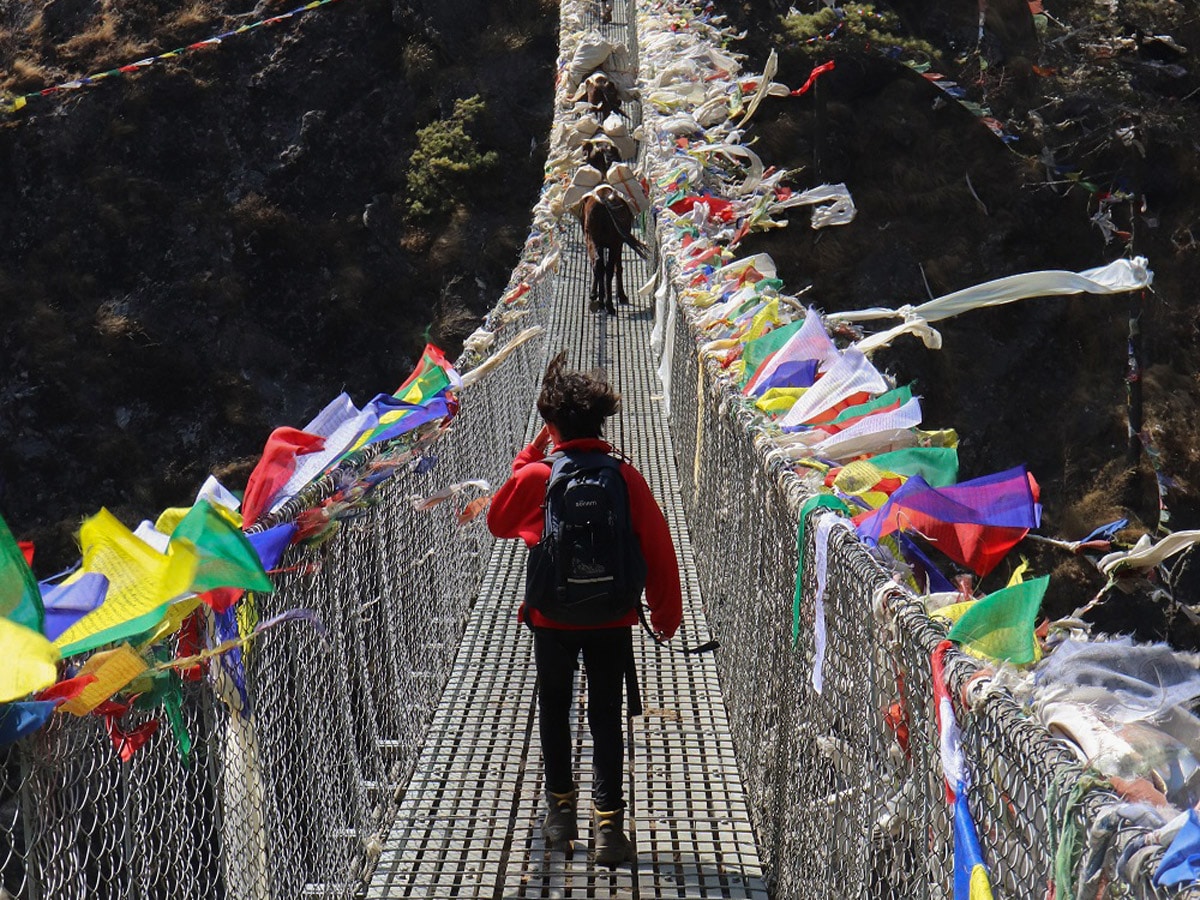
(602, 94)
(607, 228)
(600, 153)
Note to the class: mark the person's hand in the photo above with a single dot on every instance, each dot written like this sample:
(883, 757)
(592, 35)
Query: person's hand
(542, 440)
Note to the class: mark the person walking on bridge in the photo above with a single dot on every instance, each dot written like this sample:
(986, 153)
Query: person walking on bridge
(596, 536)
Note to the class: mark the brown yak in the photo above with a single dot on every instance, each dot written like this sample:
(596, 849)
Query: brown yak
(602, 95)
(600, 153)
(607, 227)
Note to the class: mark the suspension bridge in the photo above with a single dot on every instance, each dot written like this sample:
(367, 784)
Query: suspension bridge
(396, 756)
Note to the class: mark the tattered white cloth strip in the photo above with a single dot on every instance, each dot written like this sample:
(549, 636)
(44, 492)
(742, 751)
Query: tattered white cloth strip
(735, 151)
(546, 265)
(839, 208)
(1114, 278)
(664, 366)
(492, 362)
(760, 262)
(811, 341)
(930, 336)
(661, 293)
(874, 431)
(1146, 554)
(764, 85)
(825, 526)
(851, 374)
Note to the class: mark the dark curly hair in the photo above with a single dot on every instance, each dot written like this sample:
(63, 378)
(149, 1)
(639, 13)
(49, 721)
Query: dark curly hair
(576, 403)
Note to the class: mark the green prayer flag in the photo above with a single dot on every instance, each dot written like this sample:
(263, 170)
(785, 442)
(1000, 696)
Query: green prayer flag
(760, 348)
(120, 632)
(937, 465)
(1000, 626)
(896, 396)
(226, 557)
(20, 597)
(830, 502)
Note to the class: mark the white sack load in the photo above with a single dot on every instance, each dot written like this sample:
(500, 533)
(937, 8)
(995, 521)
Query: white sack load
(590, 54)
(621, 176)
(583, 181)
(618, 132)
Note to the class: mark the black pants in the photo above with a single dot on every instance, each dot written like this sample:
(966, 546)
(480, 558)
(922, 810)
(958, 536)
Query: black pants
(606, 654)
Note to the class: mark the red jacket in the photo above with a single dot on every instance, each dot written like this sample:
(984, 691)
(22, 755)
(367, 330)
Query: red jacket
(516, 510)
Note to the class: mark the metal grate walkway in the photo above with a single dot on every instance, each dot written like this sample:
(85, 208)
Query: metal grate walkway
(469, 824)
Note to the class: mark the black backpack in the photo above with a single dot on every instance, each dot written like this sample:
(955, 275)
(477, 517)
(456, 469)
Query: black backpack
(588, 568)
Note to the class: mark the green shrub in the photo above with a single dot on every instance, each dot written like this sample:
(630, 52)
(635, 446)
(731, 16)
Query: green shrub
(862, 28)
(447, 161)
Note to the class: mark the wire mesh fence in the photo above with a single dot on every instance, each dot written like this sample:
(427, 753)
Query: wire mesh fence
(832, 710)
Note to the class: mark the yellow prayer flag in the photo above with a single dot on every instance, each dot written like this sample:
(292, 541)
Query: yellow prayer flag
(857, 477)
(140, 579)
(113, 670)
(768, 315)
(779, 399)
(29, 661)
(173, 620)
(1018, 574)
(170, 517)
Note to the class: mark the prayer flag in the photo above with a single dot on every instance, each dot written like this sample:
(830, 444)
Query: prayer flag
(20, 598)
(70, 601)
(29, 661)
(275, 468)
(20, 719)
(1001, 625)
(810, 341)
(974, 523)
(937, 465)
(271, 544)
(971, 880)
(886, 402)
(113, 670)
(759, 349)
(225, 558)
(954, 764)
(141, 581)
(851, 374)
(433, 374)
(397, 417)
(1181, 863)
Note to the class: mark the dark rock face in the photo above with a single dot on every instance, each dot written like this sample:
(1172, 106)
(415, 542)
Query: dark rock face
(194, 255)
(943, 204)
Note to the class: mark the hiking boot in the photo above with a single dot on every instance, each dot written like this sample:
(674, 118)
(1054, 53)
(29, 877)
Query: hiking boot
(612, 847)
(559, 827)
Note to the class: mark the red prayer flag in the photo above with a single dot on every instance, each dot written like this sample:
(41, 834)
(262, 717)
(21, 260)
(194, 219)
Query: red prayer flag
(816, 73)
(275, 468)
(66, 690)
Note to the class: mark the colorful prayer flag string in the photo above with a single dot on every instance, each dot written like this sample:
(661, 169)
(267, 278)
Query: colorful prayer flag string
(11, 105)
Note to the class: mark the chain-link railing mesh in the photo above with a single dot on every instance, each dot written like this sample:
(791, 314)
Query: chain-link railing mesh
(846, 783)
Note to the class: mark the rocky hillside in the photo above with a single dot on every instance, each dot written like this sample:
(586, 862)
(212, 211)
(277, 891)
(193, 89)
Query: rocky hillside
(220, 244)
(1098, 104)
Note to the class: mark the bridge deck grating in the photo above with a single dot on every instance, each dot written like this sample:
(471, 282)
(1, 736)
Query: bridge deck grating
(469, 823)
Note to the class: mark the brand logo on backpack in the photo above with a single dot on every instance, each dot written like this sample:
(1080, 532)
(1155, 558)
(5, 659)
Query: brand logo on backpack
(588, 567)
